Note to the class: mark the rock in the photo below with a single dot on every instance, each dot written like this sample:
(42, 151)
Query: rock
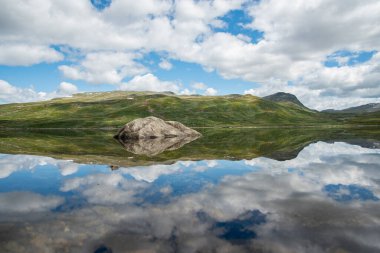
(151, 128)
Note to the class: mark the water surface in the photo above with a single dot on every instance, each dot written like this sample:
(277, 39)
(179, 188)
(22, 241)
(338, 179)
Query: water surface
(272, 193)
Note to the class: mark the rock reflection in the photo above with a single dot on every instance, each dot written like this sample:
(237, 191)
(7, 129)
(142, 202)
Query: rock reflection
(153, 147)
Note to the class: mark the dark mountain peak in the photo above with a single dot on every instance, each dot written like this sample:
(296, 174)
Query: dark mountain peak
(284, 97)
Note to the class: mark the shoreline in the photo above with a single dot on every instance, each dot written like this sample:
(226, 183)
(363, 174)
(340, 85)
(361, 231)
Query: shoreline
(344, 126)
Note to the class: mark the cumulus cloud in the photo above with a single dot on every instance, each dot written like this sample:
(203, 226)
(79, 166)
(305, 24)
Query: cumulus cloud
(297, 39)
(124, 25)
(13, 163)
(104, 189)
(315, 98)
(211, 163)
(187, 92)
(150, 82)
(109, 38)
(104, 67)
(291, 50)
(334, 155)
(199, 86)
(305, 27)
(12, 94)
(68, 168)
(299, 213)
(210, 92)
(165, 64)
(26, 55)
(67, 88)
(25, 202)
(151, 173)
(304, 36)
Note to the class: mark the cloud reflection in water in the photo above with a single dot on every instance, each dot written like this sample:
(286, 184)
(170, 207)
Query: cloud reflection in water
(260, 205)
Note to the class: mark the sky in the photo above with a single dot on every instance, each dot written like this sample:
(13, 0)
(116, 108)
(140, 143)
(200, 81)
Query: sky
(326, 52)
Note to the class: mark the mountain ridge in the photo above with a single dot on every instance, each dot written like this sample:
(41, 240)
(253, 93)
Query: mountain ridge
(284, 97)
(366, 108)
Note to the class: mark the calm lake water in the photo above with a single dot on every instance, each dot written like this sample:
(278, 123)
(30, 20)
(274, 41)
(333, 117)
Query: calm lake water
(212, 195)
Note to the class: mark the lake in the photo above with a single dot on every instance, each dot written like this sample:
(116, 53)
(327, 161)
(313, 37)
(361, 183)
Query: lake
(247, 190)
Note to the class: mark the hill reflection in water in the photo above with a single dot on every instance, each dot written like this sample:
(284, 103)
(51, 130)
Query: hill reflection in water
(99, 147)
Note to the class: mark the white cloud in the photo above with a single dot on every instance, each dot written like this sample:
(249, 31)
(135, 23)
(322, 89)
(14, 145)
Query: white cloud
(26, 202)
(312, 30)
(311, 98)
(12, 163)
(67, 88)
(211, 163)
(68, 168)
(104, 189)
(187, 92)
(297, 39)
(13, 94)
(208, 91)
(149, 82)
(165, 64)
(211, 92)
(123, 27)
(217, 23)
(318, 155)
(292, 50)
(199, 86)
(151, 173)
(104, 67)
(118, 211)
(26, 55)
(133, 13)
(305, 35)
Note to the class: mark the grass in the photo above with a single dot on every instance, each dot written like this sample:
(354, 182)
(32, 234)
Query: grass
(372, 118)
(114, 109)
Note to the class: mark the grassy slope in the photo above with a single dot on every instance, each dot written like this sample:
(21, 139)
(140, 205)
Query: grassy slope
(372, 118)
(114, 109)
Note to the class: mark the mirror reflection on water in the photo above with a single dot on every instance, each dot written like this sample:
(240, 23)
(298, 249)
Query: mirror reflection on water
(267, 190)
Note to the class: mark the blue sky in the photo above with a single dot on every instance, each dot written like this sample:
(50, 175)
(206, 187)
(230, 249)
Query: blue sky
(322, 52)
(42, 76)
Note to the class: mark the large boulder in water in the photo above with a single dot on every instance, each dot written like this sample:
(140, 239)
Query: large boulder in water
(152, 127)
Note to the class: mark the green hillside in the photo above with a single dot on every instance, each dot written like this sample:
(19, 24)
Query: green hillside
(114, 109)
(361, 118)
(283, 97)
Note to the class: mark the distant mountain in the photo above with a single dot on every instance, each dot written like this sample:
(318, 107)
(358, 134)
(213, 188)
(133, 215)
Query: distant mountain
(284, 97)
(373, 107)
